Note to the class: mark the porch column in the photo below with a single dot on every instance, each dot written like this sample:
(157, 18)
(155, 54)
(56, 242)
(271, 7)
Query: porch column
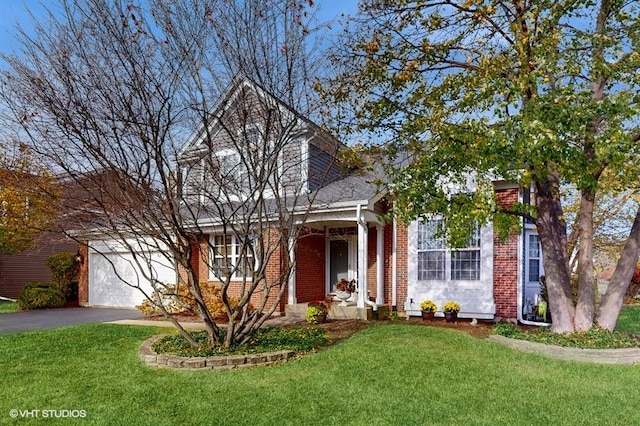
(363, 234)
(292, 299)
(379, 265)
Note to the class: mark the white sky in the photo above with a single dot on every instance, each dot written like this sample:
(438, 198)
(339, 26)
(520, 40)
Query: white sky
(15, 11)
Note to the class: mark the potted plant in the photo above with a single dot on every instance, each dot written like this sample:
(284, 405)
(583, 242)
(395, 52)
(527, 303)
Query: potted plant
(451, 310)
(344, 289)
(428, 309)
(317, 312)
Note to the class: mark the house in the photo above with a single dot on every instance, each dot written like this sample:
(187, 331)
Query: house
(395, 266)
(29, 265)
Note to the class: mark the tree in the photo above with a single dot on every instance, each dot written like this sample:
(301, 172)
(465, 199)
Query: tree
(109, 92)
(28, 199)
(543, 93)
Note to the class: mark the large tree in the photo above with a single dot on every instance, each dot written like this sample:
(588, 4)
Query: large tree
(539, 92)
(110, 91)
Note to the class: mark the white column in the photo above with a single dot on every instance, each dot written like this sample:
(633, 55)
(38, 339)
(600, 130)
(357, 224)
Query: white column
(379, 265)
(363, 234)
(292, 299)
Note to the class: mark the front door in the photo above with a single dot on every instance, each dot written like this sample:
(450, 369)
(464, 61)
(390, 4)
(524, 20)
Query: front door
(340, 261)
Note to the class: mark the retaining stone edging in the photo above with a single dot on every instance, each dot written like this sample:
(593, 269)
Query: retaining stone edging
(596, 356)
(151, 358)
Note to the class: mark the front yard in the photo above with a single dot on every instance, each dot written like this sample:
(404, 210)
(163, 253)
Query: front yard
(7, 307)
(390, 373)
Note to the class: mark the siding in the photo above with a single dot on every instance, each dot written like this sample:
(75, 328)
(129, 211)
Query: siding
(18, 270)
(322, 168)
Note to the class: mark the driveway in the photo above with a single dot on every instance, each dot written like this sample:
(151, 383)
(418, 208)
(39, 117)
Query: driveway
(50, 318)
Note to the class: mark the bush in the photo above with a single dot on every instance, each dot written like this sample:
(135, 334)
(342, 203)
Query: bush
(64, 270)
(634, 285)
(184, 302)
(39, 295)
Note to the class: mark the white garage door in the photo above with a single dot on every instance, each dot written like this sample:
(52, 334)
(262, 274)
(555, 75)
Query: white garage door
(113, 273)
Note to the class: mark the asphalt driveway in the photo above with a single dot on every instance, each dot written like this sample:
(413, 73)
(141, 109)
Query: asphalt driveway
(50, 318)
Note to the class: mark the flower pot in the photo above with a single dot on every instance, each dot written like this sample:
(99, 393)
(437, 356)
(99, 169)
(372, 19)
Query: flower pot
(451, 316)
(427, 316)
(319, 319)
(343, 295)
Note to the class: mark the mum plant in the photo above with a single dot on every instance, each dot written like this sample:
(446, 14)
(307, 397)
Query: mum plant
(428, 306)
(451, 307)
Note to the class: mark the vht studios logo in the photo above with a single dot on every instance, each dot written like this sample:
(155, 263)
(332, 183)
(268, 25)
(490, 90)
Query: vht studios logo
(60, 414)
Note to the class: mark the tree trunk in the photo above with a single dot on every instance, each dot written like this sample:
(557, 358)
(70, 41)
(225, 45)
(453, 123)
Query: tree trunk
(586, 279)
(611, 302)
(553, 238)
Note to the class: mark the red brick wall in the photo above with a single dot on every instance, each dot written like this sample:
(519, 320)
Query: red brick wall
(505, 264)
(310, 268)
(402, 266)
(83, 275)
(273, 275)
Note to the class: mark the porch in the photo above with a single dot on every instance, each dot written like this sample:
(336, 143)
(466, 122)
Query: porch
(297, 312)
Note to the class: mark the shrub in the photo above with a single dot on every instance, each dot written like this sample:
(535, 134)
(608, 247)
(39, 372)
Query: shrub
(266, 339)
(39, 295)
(634, 285)
(64, 270)
(183, 301)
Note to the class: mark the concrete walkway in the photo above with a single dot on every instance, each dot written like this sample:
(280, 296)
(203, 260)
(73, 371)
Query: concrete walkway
(598, 356)
(50, 318)
(271, 322)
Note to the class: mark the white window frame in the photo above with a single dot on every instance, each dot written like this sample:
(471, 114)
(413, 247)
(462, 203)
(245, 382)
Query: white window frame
(427, 242)
(232, 257)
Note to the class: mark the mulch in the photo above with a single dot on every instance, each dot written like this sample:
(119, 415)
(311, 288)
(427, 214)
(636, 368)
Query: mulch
(341, 329)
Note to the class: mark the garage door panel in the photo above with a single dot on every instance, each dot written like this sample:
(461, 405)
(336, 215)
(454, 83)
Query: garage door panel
(110, 274)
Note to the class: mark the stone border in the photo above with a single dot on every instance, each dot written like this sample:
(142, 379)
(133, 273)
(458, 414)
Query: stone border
(149, 357)
(596, 356)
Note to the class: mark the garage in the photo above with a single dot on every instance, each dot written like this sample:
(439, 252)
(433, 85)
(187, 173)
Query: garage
(117, 271)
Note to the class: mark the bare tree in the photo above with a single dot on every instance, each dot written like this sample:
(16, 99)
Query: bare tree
(109, 92)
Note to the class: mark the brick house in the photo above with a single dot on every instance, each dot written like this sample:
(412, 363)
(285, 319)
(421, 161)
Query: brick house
(395, 266)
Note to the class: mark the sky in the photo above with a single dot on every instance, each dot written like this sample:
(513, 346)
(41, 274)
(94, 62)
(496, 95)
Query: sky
(15, 11)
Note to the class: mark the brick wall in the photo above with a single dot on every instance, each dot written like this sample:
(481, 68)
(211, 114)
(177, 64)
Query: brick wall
(505, 264)
(310, 268)
(402, 265)
(83, 275)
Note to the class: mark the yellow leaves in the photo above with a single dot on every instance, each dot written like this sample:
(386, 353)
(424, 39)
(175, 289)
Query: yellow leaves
(372, 47)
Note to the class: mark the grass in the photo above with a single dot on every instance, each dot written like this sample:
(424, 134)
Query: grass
(391, 373)
(629, 319)
(628, 325)
(8, 307)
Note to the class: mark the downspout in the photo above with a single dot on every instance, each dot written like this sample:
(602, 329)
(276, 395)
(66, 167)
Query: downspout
(361, 222)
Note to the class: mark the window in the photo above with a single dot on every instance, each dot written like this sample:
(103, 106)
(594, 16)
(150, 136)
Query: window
(434, 257)
(534, 257)
(465, 262)
(431, 251)
(227, 255)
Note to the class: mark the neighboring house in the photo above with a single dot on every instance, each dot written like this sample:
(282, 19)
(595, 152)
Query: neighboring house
(394, 265)
(17, 270)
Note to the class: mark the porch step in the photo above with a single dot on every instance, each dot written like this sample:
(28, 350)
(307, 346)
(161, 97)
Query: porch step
(298, 311)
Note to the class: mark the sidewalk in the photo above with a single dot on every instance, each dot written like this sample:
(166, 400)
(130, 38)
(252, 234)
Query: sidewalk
(271, 322)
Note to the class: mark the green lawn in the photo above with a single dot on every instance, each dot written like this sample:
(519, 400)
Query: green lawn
(389, 374)
(629, 319)
(8, 307)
